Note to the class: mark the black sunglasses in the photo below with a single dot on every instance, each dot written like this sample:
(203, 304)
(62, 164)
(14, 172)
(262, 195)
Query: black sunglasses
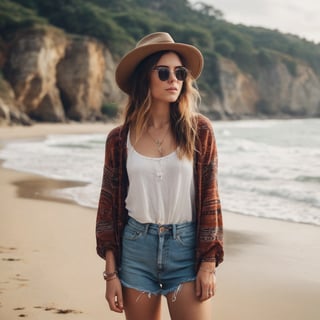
(164, 73)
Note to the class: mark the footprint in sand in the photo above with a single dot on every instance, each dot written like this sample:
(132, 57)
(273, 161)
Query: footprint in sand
(11, 259)
(58, 310)
(22, 281)
(21, 315)
(6, 250)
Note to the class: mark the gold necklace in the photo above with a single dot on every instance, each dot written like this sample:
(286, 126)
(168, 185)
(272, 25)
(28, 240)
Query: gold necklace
(159, 142)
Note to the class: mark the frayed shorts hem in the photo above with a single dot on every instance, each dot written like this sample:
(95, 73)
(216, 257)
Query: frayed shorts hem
(160, 291)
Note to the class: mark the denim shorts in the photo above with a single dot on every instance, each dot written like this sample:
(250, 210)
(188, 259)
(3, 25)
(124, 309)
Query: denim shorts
(157, 259)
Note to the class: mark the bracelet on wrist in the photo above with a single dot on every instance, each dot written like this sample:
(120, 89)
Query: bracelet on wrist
(208, 270)
(109, 276)
(112, 278)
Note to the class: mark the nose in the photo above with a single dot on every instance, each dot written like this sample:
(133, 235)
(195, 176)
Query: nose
(172, 76)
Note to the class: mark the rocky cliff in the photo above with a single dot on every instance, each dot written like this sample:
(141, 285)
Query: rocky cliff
(31, 70)
(276, 91)
(289, 92)
(51, 76)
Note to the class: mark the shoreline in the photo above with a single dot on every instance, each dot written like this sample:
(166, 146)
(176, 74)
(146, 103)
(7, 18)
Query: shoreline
(42, 129)
(49, 266)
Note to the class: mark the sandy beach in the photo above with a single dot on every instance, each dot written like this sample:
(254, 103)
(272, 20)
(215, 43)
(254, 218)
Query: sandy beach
(49, 268)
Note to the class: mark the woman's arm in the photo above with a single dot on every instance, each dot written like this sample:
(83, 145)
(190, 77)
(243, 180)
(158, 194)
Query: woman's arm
(210, 235)
(113, 285)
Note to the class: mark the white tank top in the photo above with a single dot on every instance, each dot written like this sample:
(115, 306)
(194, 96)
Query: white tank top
(161, 190)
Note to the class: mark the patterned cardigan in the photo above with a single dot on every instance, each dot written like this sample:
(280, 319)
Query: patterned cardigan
(112, 214)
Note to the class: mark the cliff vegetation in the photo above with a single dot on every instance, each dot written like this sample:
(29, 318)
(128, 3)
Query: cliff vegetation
(57, 59)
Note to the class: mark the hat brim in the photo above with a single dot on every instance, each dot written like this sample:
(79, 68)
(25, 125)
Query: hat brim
(191, 56)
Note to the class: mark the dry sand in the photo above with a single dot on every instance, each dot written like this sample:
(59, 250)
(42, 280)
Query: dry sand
(49, 268)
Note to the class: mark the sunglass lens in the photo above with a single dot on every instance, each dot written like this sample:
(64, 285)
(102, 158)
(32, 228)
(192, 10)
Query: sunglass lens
(181, 74)
(163, 74)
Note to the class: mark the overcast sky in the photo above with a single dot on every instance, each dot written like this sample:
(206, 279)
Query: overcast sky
(300, 17)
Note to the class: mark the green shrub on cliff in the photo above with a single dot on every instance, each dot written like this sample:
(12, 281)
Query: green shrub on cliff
(14, 16)
(110, 109)
(119, 23)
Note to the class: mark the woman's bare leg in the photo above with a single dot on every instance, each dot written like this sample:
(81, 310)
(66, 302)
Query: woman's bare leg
(139, 305)
(187, 305)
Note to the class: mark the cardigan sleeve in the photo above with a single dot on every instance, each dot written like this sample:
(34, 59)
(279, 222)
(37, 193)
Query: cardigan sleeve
(105, 223)
(210, 238)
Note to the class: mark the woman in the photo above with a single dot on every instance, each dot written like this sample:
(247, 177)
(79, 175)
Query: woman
(159, 223)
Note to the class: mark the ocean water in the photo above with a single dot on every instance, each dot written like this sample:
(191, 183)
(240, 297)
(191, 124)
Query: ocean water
(271, 168)
(267, 168)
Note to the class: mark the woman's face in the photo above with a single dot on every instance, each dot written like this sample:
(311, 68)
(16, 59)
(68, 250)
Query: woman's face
(168, 90)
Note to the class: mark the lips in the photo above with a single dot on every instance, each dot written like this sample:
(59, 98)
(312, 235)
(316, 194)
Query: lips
(172, 89)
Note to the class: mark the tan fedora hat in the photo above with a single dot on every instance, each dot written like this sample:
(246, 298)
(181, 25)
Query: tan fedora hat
(152, 43)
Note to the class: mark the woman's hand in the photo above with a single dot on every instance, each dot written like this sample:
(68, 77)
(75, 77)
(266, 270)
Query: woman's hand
(206, 281)
(114, 295)
(113, 284)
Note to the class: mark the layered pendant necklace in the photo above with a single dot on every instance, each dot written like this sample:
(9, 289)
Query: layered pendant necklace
(159, 142)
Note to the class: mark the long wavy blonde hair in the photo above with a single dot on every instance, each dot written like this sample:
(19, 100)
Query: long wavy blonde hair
(182, 120)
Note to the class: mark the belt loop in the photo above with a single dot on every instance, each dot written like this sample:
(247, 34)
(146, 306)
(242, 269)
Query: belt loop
(146, 228)
(174, 231)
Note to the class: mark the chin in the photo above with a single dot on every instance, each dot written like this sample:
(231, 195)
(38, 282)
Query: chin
(173, 99)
